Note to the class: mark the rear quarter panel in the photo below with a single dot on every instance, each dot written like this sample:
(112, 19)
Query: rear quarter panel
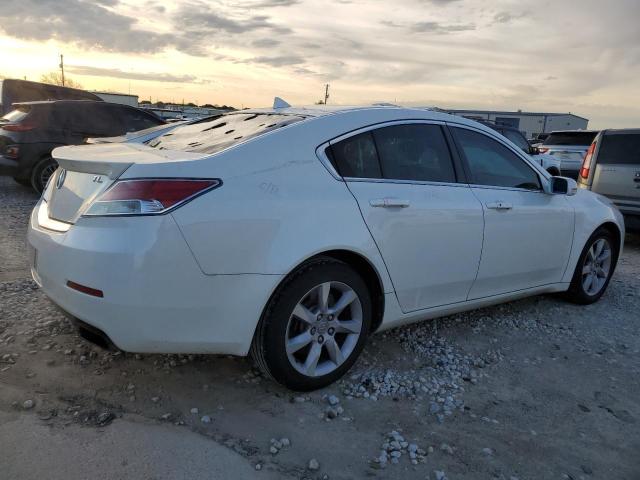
(278, 205)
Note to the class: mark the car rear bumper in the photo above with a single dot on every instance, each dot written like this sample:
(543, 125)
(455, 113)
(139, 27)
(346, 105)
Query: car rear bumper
(155, 297)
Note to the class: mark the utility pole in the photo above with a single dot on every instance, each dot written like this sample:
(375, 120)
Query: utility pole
(326, 93)
(62, 68)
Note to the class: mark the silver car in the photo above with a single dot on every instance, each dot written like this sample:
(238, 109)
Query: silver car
(570, 147)
(612, 168)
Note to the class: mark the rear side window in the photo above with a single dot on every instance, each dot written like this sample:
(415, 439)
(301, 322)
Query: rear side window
(222, 132)
(622, 149)
(134, 120)
(356, 157)
(571, 138)
(414, 152)
(491, 163)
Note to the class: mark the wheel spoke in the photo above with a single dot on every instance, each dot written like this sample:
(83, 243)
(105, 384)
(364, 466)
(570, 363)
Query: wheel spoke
(299, 341)
(323, 296)
(604, 255)
(304, 314)
(333, 349)
(348, 326)
(588, 282)
(599, 245)
(313, 356)
(600, 273)
(586, 269)
(345, 300)
(590, 256)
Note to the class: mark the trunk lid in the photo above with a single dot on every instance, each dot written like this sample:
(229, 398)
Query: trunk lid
(87, 171)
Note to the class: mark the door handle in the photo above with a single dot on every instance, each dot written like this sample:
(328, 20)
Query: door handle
(499, 205)
(389, 202)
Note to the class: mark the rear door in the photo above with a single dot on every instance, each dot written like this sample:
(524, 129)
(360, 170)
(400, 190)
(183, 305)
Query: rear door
(528, 233)
(617, 170)
(425, 222)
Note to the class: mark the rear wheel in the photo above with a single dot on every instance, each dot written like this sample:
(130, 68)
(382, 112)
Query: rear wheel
(42, 172)
(594, 269)
(315, 326)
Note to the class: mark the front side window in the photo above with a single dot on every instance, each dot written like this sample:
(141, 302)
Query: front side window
(356, 157)
(491, 163)
(518, 139)
(414, 152)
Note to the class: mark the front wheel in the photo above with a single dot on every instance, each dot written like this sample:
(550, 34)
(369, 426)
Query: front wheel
(594, 269)
(315, 326)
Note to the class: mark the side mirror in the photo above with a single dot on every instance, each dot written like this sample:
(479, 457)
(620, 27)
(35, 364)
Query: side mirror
(562, 186)
(534, 150)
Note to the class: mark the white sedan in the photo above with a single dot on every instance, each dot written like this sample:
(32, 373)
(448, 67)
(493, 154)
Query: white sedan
(294, 234)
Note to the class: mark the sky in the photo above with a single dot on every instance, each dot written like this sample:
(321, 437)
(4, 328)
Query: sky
(580, 56)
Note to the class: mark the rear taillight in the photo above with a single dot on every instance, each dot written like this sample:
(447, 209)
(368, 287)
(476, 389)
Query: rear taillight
(586, 163)
(543, 149)
(149, 196)
(17, 127)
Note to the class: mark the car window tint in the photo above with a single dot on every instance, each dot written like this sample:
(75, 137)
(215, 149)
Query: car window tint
(222, 132)
(517, 138)
(620, 148)
(570, 138)
(491, 163)
(356, 157)
(135, 120)
(414, 152)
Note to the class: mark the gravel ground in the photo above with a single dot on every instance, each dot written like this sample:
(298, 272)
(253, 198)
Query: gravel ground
(534, 389)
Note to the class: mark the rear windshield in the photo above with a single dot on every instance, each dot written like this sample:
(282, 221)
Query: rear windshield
(571, 138)
(16, 115)
(222, 132)
(620, 149)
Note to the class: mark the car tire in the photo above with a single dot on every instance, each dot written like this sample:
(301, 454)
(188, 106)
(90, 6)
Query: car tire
(305, 342)
(594, 268)
(25, 182)
(42, 172)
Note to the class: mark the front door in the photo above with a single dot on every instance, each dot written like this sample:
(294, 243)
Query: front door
(527, 233)
(427, 226)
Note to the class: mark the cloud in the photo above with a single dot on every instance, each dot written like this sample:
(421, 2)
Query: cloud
(117, 73)
(265, 43)
(86, 24)
(431, 27)
(439, 28)
(273, 3)
(277, 61)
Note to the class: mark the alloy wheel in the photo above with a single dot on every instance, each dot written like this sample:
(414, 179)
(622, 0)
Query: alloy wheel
(596, 267)
(323, 329)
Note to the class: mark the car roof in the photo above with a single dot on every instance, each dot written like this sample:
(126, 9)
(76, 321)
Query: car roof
(319, 111)
(614, 131)
(71, 102)
(575, 131)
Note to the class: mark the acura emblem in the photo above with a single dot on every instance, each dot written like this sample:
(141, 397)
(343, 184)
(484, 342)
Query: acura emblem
(61, 176)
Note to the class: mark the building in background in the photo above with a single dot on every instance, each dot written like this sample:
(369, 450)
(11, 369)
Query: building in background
(122, 98)
(529, 123)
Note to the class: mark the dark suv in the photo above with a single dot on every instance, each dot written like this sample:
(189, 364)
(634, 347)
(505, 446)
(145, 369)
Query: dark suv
(29, 133)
